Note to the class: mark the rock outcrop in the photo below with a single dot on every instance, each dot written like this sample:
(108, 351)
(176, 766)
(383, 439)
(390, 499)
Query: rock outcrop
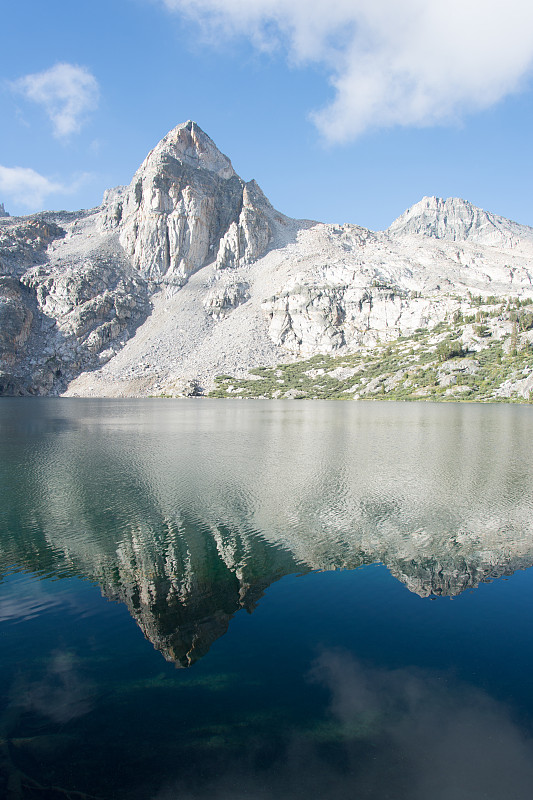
(459, 221)
(186, 207)
(61, 312)
(224, 298)
(189, 273)
(25, 244)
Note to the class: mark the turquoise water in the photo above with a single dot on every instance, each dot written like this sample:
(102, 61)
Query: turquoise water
(204, 599)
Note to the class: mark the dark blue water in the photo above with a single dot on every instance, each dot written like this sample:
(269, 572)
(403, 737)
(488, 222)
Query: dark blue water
(256, 600)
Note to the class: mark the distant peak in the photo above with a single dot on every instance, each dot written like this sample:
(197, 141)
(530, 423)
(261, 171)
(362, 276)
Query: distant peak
(439, 204)
(3, 212)
(458, 220)
(188, 143)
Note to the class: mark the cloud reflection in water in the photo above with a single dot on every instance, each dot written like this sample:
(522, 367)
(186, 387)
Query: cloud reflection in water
(61, 695)
(404, 734)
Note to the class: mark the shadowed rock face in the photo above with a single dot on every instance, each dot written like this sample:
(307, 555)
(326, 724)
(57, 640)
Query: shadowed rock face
(15, 319)
(24, 243)
(58, 319)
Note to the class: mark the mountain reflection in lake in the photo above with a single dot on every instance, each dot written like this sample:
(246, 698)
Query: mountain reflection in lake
(367, 684)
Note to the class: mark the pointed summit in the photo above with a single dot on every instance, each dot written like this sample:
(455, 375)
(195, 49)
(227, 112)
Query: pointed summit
(187, 207)
(191, 146)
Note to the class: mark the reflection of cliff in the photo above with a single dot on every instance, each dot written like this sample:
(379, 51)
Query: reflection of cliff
(182, 590)
(188, 512)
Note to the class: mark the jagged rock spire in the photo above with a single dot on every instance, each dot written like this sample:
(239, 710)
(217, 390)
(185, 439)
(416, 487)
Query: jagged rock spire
(190, 145)
(187, 207)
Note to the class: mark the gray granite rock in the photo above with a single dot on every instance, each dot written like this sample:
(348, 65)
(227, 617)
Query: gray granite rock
(189, 273)
(458, 221)
(186, 207)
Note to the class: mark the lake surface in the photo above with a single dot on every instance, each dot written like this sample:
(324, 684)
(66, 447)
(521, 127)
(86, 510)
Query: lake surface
(227, 600)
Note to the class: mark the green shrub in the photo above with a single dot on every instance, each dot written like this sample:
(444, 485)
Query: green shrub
(482, 330)
(525, 320)
(449, 349)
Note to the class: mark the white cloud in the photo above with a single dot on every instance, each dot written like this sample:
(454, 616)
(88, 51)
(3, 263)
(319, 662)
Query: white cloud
(66, 92)
(415, 62)
(28, 188)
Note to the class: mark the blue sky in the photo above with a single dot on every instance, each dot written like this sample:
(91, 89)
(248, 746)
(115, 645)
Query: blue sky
(342, 110)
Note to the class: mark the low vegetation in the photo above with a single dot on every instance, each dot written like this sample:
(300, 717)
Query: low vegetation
(486, 355)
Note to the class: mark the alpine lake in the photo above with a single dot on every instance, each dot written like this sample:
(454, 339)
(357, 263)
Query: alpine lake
(216, 599)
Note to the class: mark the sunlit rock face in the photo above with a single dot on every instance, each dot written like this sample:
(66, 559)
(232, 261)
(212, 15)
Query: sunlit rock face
(459, 221)
(186, 207)
(84, 282)
(189, 273)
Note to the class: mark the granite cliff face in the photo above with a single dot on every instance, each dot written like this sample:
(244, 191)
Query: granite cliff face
(189, 273)
(185, 207)
(75, 287)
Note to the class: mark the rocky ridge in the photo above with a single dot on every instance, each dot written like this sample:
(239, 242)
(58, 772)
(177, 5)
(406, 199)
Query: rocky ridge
(457, 221)
(189, 273)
